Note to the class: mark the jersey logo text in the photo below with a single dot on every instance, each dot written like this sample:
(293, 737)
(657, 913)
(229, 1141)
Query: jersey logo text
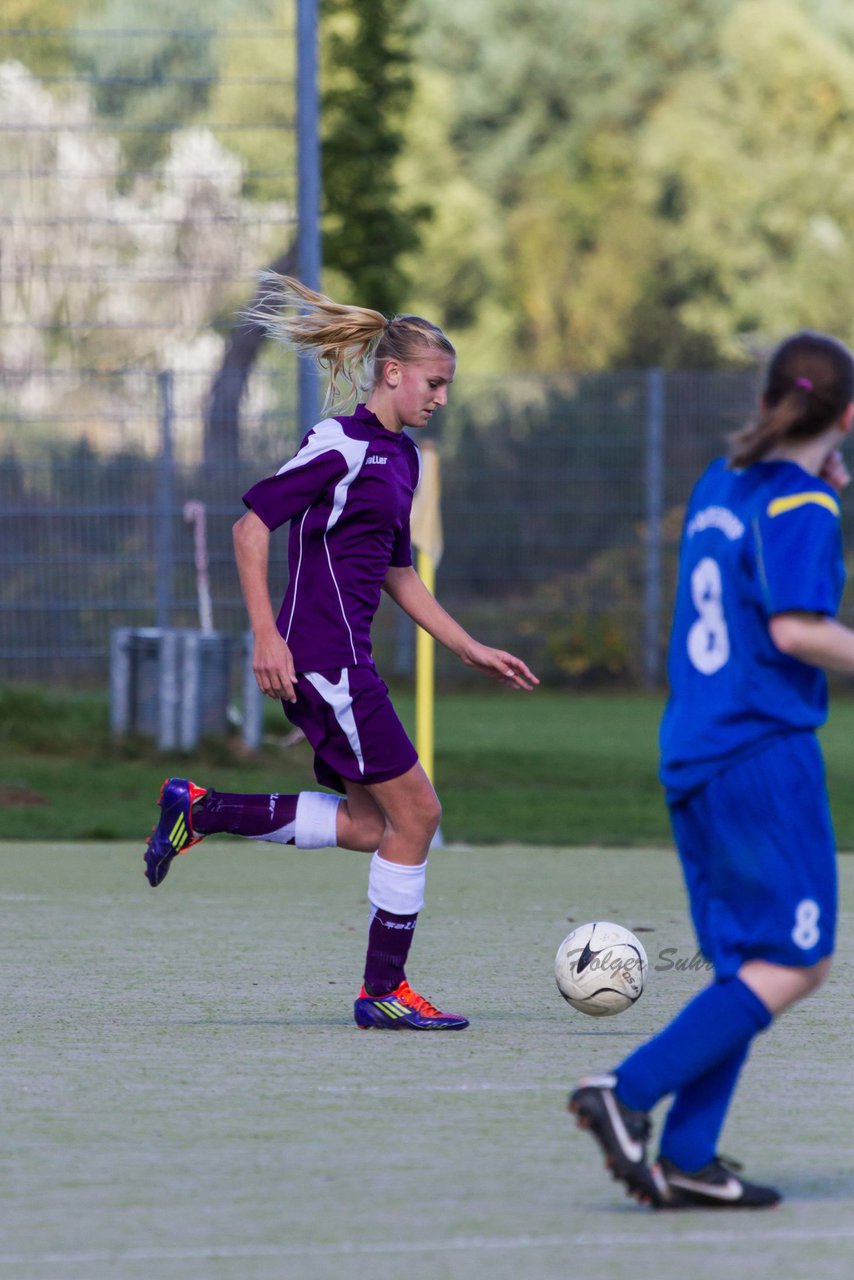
(717, 518)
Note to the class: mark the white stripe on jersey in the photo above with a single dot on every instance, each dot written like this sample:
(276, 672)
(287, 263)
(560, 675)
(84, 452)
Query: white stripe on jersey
(327, 435)
(338, 698)
(296, 580)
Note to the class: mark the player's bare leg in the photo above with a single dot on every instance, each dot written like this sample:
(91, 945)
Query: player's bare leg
(410, 814)
(778, 986)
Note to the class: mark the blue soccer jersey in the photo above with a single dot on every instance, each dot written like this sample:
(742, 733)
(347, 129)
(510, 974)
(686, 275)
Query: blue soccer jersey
(757, 542)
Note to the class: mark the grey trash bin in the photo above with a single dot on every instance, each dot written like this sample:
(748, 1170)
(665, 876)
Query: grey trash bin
(170, 684)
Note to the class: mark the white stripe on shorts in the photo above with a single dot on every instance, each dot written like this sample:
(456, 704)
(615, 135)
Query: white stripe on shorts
(338, 698)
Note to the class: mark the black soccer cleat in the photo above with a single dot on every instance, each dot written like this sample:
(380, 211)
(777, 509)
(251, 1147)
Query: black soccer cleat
(715, 1186)
(622, 1134)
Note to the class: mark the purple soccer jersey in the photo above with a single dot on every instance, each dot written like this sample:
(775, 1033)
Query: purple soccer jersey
(348, 494)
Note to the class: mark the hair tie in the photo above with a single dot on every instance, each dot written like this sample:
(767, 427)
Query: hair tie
(805, 383)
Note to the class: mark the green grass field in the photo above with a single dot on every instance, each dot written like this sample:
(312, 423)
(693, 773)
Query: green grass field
(187, 1098)
(554, 767)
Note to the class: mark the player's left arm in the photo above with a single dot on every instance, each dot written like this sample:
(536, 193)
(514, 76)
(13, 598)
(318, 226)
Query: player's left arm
(406, 589)
(800, 556)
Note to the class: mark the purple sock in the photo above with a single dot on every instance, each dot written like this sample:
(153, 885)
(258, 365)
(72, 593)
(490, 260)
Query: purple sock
(389, 940)
(242, 815)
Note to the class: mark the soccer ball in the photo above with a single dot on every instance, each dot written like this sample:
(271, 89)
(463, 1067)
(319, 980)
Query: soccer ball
(600, 968)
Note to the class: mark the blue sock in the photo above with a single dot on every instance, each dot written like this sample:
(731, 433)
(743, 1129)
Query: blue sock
(714, 1025)
(694, 1122)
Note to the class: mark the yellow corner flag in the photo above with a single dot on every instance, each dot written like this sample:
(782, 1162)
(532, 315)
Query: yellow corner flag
(426, 530)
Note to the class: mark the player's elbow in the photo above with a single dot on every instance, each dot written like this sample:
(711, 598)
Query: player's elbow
(790, 633)
(248, 529)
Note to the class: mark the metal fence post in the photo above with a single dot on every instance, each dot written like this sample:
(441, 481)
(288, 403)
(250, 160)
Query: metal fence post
(253, 698)
(164, 551)
(653, 512)
(168, 692)
(120, 680)
(190, 696)
(308, 194)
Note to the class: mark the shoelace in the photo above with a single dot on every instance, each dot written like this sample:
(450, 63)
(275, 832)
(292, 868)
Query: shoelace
(413, 1000)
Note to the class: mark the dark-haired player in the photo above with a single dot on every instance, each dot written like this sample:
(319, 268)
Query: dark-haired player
(760, 580)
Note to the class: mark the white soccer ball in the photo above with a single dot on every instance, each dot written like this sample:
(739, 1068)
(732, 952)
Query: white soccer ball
(601, 968)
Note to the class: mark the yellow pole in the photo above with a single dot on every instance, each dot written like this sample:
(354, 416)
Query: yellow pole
(424, 675)
(427, 540)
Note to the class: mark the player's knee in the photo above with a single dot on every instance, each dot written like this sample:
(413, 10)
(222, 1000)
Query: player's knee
(421, 819)
(810, 979)
(817, 975)
(431, 814)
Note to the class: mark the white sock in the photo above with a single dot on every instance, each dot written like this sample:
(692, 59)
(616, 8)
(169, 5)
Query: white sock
(315, 821)
(396, 888)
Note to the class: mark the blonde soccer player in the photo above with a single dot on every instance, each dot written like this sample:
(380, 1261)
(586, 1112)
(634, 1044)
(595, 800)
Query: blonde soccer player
(346, 495)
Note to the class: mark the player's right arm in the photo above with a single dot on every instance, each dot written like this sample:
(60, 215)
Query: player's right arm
(316, 467)
(814, 638)
(272, 660)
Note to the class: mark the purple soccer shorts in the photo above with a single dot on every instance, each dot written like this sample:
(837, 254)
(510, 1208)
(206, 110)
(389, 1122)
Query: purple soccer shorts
(347, 717)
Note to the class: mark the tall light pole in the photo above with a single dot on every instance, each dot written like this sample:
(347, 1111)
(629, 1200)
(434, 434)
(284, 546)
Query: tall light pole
(308, 194)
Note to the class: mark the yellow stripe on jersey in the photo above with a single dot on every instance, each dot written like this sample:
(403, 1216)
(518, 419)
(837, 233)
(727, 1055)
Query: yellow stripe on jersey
(794, 500)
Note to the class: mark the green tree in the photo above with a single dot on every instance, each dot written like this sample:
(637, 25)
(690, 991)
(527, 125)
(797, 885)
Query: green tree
(255, 90)
(748, 168)
(40, 33)
(364, 47)
(459, 270)
(547, 104)
(157, 79)
(367, 87)
(654, 182)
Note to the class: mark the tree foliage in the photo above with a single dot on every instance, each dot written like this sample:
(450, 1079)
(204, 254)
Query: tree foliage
(367, 88)
(749, 168)
(561, 184)
(160, 80)
(40, 33)
(658, 183)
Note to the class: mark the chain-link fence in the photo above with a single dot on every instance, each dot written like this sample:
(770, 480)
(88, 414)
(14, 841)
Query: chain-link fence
(146, 175)
(148, 171)
(561, 501)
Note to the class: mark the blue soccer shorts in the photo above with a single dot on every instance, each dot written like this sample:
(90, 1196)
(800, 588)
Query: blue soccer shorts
(759, 858)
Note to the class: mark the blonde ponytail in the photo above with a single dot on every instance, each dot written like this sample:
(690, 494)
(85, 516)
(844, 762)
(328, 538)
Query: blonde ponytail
(351, 343)
(339, 337)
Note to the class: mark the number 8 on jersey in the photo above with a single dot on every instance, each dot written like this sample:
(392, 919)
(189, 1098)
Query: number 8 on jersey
(708, 638)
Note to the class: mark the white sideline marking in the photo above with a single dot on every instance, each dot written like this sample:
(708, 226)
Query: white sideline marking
(463, 1244)
(404, 1091)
